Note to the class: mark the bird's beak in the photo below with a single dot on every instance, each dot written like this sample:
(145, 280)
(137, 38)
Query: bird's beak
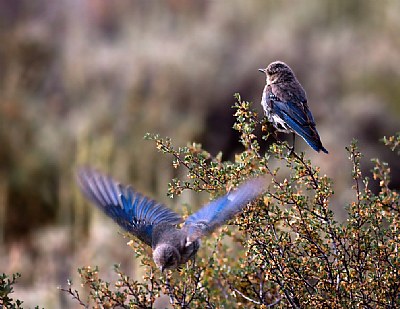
(262, 70)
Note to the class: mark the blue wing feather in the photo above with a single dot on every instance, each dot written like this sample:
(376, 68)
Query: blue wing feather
(217, 212)
(133, 211)
(300, 119)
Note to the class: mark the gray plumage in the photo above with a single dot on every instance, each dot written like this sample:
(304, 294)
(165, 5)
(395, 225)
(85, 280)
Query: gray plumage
(155, 224)
(285, 104)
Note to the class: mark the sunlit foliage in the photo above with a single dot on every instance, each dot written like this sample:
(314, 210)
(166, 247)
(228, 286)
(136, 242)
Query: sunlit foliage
(286, 249)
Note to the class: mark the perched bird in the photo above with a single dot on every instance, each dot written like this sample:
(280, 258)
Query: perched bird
(285, 104)
(155, 224)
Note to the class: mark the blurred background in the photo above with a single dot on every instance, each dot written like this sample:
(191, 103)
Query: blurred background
(83, 81)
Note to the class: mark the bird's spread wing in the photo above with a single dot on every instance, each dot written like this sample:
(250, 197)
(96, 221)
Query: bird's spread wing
(134, 212)
(299, 118)
(222, 209)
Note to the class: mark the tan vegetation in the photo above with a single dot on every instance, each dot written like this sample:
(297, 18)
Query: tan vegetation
(82, 82)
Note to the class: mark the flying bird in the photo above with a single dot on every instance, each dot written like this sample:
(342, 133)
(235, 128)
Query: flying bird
(155, 224)
(285, 104)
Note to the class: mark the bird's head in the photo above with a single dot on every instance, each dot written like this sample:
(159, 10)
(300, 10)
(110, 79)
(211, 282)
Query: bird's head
(166, 257)
(277, 71)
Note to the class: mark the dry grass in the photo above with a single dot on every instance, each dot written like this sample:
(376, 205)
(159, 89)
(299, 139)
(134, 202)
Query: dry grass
(83, 81)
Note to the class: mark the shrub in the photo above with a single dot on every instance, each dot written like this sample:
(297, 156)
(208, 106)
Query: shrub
(6, 288)
(285, 250)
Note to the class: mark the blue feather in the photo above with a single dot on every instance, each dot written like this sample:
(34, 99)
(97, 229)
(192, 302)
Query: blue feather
(219, 211)
(133, 211)
(301, 121)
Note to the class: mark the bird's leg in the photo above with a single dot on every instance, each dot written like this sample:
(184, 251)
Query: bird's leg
(275, 135)
(194, 261)
(292, 148)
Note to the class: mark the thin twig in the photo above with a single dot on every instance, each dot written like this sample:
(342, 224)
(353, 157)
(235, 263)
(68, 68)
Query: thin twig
(170, 290)
(75, 295)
